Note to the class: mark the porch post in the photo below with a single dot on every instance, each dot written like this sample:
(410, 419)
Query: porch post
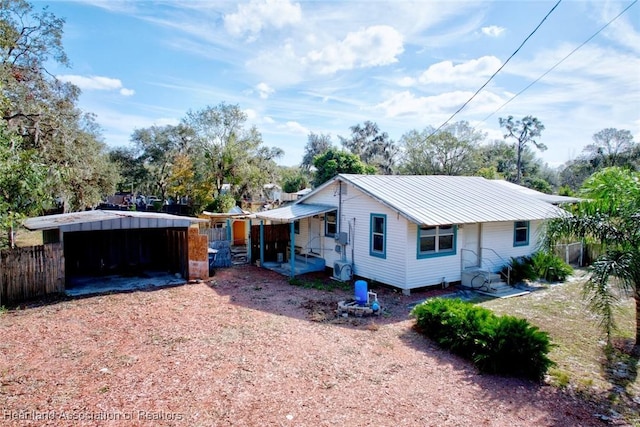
(292, 258)
(261, 242)
(228, 229)
(249, 243)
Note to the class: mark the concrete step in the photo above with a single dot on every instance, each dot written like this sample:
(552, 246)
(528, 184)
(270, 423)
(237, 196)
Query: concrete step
(502, 290)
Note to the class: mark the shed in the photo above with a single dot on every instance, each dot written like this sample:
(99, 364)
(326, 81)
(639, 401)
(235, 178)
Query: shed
(101, 245)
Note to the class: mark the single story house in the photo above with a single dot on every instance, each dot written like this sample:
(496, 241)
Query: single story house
(411, 231)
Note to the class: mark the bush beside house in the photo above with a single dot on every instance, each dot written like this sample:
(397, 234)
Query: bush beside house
(503, 345)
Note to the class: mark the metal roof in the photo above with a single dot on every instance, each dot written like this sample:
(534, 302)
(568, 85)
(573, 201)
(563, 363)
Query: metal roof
(549, 198)
(60, 220)
(439, 199)
(294, 212)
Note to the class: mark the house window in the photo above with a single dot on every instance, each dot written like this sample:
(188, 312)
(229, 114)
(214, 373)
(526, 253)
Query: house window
(521, 233)
(330, 223)
(296, 227)
(378, 236)
(436, 241)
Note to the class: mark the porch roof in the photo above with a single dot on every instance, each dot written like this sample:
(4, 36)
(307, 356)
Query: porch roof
(294, 212)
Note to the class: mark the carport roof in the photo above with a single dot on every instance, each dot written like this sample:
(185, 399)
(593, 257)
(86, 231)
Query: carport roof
(294, 212)
(49, 222)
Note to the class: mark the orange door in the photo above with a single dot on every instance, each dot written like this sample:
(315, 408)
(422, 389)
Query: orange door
(239, 233)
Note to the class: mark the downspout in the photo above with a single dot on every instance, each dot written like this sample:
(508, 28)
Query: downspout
(343, 256)
(352, 237)
(339, 217)
(292, 258)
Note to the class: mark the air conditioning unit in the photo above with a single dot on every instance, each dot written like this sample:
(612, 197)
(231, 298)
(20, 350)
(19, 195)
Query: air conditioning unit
(342, 270)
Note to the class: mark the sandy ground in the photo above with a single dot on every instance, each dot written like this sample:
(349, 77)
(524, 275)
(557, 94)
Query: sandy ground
(249, 349)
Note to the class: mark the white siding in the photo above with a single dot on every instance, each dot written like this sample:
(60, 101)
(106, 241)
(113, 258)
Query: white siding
(355, 220)
(431, 271)
(401, 267)
(498, 236)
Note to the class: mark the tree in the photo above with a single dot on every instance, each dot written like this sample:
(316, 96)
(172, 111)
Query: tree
(133, 175)
(225, 141)
(259, 170)
(451, 151)
(334, 162)
(316, 145)
(372, 146)
(610, 146)
(23, 189)
(524, 132)
(608, 217)
(158, 147)
(42, 110)
(295, 183)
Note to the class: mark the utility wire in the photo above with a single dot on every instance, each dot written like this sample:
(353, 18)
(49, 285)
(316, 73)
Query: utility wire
(560, 62)
(499, 69)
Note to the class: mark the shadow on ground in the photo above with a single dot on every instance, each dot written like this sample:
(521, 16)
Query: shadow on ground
(313, 296)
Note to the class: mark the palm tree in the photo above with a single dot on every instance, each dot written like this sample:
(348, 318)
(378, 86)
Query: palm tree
(610, 218)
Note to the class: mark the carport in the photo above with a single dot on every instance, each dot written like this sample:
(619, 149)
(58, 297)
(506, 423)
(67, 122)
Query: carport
(113, 250)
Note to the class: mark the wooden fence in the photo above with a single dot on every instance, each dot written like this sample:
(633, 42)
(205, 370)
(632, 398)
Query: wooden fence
(215, 234)
(31, 272)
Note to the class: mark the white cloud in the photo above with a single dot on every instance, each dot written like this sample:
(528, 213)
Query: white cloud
(493, 31)
(257, 15)
(370, 47)
(407, 104)
(406, 81)
(264, 90)
(295, 127)
(96, 83)
(466, 73)
(127, 92)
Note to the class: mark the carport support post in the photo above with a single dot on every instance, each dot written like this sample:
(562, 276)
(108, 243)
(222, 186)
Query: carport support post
(249, 242)
(293, 253)
(261, 243)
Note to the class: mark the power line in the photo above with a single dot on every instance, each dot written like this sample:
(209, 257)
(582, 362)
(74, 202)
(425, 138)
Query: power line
(560, 62)
(499, 69)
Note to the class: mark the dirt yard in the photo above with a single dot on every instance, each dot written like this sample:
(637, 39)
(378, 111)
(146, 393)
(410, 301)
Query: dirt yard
(249, 349)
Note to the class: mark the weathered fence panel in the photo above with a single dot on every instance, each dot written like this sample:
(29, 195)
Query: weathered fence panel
(31, 272)
(571, 253)
(215, 234)
(276, 239)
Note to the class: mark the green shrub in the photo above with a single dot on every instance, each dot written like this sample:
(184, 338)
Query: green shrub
(499, 345)
(515, 348)
(521, 270)
(550, 267)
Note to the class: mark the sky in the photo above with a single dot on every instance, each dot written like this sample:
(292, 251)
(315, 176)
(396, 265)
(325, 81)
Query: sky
(296, 67)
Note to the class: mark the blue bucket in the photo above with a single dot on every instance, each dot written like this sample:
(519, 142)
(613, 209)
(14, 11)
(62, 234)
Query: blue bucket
(361, 292)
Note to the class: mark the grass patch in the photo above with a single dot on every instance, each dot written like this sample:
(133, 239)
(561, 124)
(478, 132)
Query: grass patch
(320, 285)
(583, 361)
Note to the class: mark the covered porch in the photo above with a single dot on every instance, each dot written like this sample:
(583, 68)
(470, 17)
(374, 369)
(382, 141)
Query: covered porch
(274, 241)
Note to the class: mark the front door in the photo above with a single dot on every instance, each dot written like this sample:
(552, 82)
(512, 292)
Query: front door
(315, 228)
(239, 233)
(471, 254)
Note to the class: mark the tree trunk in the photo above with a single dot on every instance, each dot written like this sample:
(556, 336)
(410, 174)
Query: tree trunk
(636, 347)
(519, 164)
